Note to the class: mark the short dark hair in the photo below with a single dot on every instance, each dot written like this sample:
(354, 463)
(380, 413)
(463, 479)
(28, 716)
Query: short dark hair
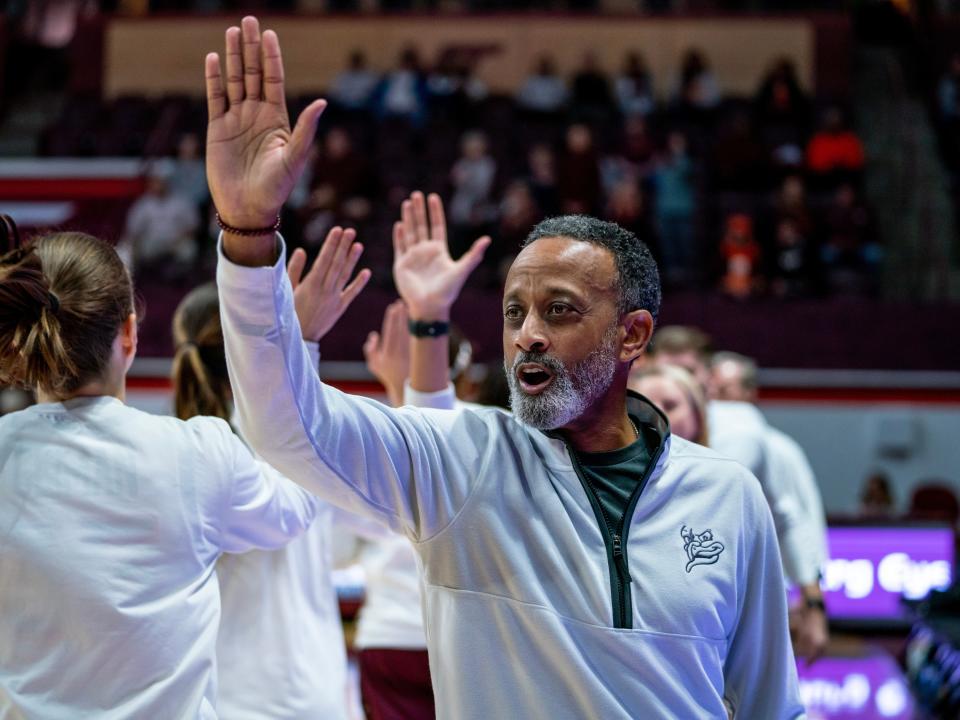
(638, 280)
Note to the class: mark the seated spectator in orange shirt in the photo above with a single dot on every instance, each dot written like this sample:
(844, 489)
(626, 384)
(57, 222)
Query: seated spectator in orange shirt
(835, 153)
(741, 257)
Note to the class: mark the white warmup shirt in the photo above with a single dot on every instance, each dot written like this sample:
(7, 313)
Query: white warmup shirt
(520, 612)
(739, 430)
(111, 524)
(789, 461)
(280, 650)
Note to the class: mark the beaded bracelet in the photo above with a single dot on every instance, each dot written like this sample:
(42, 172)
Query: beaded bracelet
(248, 233)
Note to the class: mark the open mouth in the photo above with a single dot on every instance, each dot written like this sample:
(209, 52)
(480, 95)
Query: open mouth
(534, 378)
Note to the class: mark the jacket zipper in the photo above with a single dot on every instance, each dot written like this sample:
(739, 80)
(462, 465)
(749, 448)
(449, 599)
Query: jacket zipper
(617, 561)
(615, 541)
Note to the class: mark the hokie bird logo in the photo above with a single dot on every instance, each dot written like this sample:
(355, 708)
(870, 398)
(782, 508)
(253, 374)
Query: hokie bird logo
(701, 548)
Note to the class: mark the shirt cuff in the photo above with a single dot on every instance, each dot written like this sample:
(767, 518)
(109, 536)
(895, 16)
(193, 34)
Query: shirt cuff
(445, 399)
(255, 288)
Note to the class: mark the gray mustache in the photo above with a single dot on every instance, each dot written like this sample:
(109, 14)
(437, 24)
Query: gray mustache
(548, 361)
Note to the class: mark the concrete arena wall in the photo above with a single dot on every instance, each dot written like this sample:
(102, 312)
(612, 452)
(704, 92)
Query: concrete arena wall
(165, 55)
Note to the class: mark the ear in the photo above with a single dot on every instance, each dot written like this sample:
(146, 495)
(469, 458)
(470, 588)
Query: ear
(637, 327)
(128, 339)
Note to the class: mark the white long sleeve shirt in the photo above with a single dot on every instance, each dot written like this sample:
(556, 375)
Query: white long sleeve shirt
(789, 462)
(280, 650)
(739, 430)
(517, 577)
(111, 523)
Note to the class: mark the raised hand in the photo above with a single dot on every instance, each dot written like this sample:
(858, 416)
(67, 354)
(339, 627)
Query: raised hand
(427, 278)
(324, 294)
(388, 352)
(253, 158)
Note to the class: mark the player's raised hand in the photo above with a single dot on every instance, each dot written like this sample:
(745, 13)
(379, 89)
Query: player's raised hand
(325, 293)
(253, 157)
(427, 278)
(388, 352)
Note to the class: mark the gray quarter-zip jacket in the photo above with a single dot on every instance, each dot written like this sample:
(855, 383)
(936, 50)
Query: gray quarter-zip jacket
(527, 615)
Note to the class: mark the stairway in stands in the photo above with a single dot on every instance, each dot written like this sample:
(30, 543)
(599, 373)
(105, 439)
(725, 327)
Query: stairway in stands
(906, 181)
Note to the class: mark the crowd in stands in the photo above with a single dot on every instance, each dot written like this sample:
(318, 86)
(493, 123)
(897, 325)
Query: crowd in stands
(749, 196)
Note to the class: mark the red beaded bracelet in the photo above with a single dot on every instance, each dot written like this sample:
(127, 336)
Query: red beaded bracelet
(247, 233)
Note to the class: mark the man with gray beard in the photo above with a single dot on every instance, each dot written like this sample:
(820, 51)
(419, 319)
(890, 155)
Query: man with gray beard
(577, 560)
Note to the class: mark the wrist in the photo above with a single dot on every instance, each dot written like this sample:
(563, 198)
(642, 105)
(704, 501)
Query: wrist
(426, 313)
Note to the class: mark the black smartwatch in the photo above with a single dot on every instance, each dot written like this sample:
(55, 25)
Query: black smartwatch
(815, 604)
(421, 329)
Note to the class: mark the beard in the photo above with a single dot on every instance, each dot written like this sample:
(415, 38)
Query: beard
(571, 392)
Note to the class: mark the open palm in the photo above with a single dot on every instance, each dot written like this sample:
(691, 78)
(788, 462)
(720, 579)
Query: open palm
(253, 157)
(427, 278)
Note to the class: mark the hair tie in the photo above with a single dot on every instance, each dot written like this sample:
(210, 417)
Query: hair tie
(54, 305)
(189, 345)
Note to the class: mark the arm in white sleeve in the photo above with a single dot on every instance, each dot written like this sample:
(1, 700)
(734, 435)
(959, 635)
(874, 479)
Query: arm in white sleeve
(445, 399)
(760, 673)
(408, 468)
(801, 531)
(258, 508)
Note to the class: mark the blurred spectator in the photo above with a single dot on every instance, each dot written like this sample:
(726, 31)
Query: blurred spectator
(741, 257)
(934, 501)
(634, 87)
(638, 148)
(792, 261)
(452, 87)
(676, 207)
(578, 181)
(791, 204)
(543, 91)
(850, 253)
(876, 498)
(834, 153)
(518, 213)
(471, 208)
(158, 241)
(542, 180)
(697, 88)
(780, 101)
(949, 90)
(739, 159)
(627, 206)
(402, 93)
(353, 87)
(342, 178)
(189, 177)
(591, 88)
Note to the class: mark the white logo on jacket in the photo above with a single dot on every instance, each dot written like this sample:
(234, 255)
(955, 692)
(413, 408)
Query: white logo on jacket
(701, 548)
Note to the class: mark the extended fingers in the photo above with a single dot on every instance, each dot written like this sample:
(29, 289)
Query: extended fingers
(371, 345)
(216, 97)
(351, 291)
(472, 257)
(421, 226)
(298, 261)
(272, 69)
(321, 266)
(395, 325)
(349, 262)
(410, 236)
(399, 240)
(234, 58)
(340, 259)
(438, 222)
(252, 72)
